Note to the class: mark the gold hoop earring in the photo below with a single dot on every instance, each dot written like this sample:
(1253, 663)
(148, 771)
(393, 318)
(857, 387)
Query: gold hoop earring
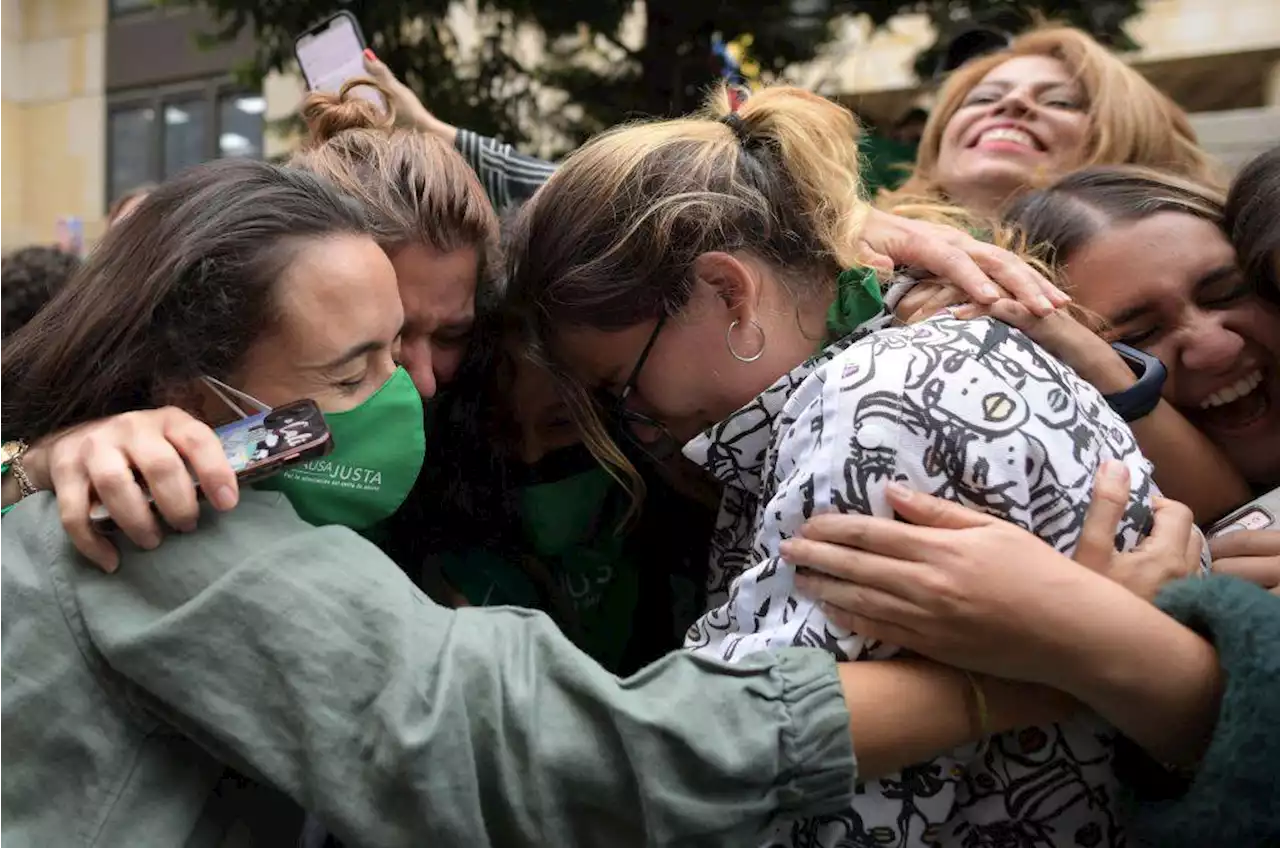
(728, 340)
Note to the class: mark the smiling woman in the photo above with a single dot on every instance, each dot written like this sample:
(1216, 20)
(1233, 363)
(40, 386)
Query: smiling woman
(1148, 253)
(1054, 100)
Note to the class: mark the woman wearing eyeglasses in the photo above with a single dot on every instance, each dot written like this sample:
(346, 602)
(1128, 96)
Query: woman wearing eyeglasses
(693, 273)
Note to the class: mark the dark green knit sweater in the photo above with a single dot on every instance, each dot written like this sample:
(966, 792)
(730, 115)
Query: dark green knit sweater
(1234, 797)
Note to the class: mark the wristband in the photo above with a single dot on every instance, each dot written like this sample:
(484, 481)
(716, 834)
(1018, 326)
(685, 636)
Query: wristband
(1143, 396)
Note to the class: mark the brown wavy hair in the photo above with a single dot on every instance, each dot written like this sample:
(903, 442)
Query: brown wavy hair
(1131, 121)
(417, 189)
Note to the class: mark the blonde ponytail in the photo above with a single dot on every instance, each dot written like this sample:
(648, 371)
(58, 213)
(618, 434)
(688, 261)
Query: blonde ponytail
(816, 142)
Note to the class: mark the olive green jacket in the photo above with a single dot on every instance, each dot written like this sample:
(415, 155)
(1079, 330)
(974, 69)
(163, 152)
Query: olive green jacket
(303, 658)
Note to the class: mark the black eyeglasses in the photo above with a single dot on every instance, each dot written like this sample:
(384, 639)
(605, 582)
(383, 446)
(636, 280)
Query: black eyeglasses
(627, 420)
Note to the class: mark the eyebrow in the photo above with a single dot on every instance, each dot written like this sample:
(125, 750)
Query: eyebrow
(351, 353)
(1216, 275)
(1206, 280)
(1037, 87)
(462, 324)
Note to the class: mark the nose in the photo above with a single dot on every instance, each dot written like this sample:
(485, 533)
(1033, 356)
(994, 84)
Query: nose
(1210, 347)
(445, 362)
(416, 359)
(1014, 102)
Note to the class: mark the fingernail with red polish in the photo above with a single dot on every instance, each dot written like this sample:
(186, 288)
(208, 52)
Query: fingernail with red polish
(368, 54)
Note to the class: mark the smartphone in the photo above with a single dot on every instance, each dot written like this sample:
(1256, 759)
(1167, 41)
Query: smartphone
(263, 445)
(332, 52)
(1259, 514)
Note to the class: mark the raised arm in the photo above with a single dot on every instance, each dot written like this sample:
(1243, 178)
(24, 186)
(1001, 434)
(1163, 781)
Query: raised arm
(509, 177)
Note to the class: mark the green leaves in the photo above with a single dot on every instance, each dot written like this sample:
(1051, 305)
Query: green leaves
(591, 78)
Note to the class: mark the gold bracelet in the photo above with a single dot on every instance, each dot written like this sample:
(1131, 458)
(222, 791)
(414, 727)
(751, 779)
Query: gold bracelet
(24, 482)
(980, 701)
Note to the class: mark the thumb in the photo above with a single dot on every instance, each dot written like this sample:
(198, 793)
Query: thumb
(374, 66)
(928, 511)
(873, 258)
(1110, 499)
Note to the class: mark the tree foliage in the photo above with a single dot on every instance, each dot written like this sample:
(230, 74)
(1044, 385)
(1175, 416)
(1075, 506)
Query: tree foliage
(478, 78)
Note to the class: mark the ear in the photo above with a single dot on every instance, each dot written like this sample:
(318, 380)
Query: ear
(736, 283)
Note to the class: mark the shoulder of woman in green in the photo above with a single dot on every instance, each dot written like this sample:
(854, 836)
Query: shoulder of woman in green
(304, 657)
(1231, 798)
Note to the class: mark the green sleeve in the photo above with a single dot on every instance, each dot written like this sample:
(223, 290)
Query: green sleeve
(304, 656)
(1231, 799)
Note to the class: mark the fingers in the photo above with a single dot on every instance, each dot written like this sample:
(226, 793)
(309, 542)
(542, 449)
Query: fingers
(1193, 555)
(870, 628)
(1244, 543)
(951, 263)
(1020, 280)
(939, 299)
(873, 258)
(868, 533)
(170, 484)
(1015, 315)
(73, 510)
(852, 572)
(1262, 570)
(1110, 500)
(200, 448)
(928, 511)
(1174, 527)
(112, 479)
(840, 597)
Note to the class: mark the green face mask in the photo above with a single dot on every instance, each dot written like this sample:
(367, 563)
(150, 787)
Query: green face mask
(563, 515)
(378, 451)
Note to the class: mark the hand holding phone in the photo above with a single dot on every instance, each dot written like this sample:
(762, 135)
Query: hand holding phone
(260, 446)
(331, 53)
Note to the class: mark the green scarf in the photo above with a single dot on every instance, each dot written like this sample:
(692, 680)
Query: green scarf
(858, 300)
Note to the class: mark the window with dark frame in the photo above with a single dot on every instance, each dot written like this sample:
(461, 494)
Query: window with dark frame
(154, 133)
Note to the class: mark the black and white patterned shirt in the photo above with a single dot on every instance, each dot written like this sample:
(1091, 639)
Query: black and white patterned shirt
(970, 411)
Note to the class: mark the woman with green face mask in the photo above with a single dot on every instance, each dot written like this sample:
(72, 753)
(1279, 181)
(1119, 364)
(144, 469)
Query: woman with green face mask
(301, 655)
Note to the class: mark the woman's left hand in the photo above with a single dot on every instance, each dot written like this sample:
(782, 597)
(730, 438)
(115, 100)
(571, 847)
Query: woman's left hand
(1252, 555)
(984, 272)
(970, 590)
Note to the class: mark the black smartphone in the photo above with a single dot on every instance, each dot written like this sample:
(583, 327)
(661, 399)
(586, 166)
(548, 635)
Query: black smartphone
(262, 445)
(331, 53)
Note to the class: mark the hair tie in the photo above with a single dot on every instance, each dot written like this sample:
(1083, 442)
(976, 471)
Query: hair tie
(734, 122)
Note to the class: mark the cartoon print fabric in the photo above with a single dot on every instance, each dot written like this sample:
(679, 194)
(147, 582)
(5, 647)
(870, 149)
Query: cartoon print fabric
(970, 411)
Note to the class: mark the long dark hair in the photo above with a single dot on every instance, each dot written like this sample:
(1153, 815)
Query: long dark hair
(1253, 221)
(178, 289)
(1064, 217)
